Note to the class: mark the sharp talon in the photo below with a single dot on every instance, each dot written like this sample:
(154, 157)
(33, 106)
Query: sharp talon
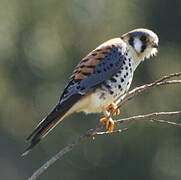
(103, 121)
(108, 123)
(110, 126)
(113, 109)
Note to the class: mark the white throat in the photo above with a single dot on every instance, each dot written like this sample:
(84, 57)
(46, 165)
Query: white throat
(136, 59)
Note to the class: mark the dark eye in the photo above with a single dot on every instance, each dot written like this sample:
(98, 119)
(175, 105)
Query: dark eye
(144, 39)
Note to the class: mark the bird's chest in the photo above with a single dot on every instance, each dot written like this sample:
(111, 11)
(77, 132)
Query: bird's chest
(111, 89)
(118, 84)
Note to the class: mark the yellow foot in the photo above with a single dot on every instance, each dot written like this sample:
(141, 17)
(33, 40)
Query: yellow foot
(108, 123)
(113, 109)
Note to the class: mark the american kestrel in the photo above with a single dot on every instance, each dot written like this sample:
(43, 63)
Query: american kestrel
(99, 80)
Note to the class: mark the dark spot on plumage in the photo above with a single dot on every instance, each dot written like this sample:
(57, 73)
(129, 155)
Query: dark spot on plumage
(85, 73)
(127, 83)
(126, 53)
(113, 80)
(78, 87)
(82, 88)
(65, 92)
(99, 58)
(125, 76)
(81, 66)
(122, 68)
(122, 80)
(71, 83)
(98, 71)
(116, 75)
(107, 85)
(126, 67)
(111, 65)
(113, 46)
(115, 50)
(131, 41)
(129, 59)
(90, 66)
(120, 54)
(129, 64)
(104, 52)
(84, 60)
(102, 96)
(77, 81)
(111, 92)
(104, 69)
(130, 69)
(94, 54)
(124, 62)
(119, 86)
(126, 73)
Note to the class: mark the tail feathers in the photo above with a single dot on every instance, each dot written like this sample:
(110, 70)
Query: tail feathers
(48, 123)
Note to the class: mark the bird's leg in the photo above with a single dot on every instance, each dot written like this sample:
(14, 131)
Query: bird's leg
(113, 109)
(107, 121)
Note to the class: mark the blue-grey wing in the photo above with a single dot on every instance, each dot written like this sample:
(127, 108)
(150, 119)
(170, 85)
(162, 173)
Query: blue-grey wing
(100, 65)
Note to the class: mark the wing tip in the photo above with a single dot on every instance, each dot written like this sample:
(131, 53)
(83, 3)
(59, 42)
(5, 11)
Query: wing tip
(25, 153)
(33, 143)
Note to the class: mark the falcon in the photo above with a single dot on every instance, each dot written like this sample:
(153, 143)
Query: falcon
(99, 80)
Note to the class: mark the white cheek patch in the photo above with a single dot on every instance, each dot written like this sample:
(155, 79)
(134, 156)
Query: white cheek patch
(137, 45)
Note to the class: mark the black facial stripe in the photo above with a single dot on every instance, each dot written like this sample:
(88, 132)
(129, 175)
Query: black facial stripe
(143, 47)
(131, 41)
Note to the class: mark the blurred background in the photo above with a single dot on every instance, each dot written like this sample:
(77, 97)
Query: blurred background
(40, 43)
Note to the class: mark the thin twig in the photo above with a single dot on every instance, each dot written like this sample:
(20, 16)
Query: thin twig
(155, 115)
(65, 150)
(93, 132)
(113, 132)
(166, 122)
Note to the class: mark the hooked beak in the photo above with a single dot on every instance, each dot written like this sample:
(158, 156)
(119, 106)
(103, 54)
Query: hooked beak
(155, 45)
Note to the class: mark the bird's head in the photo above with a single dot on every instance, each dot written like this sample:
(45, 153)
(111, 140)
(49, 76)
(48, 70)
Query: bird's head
(143, 42)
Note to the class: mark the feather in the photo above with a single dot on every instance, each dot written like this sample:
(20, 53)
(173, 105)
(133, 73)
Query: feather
(48, 123)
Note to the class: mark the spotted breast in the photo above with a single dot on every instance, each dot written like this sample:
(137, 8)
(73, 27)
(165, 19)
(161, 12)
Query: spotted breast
(110, 90)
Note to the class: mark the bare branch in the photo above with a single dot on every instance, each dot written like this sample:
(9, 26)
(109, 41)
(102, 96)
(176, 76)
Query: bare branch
(108, 133)
(96, 131)
(166, 122)
(138, 90)
(93, 132)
